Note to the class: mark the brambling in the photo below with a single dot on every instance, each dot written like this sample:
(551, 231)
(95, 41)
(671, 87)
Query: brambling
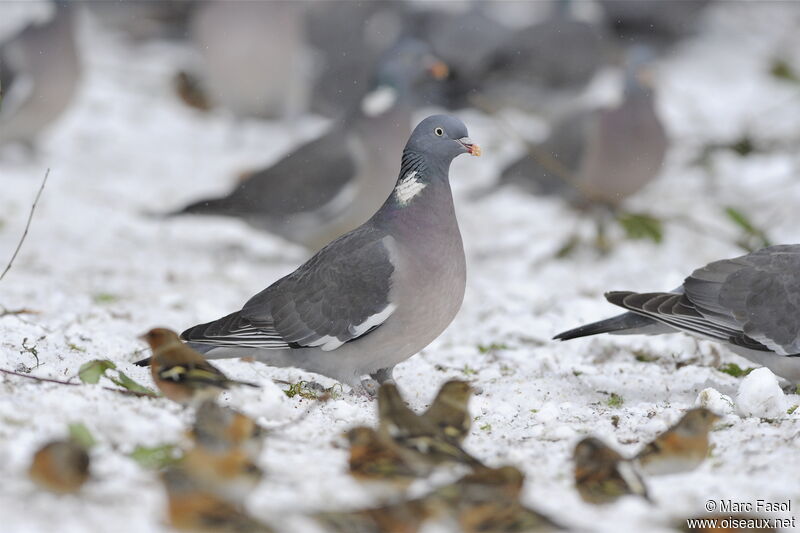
(488, 500)
(192, 508)
(449, 410)
(220, 426)
(373, 458)
(182, 374)
(486, 484)
(404, 517)
(227, 472)
(60, 466)
(602, 475)
(418, 438)
(502, 516)
(682, 447)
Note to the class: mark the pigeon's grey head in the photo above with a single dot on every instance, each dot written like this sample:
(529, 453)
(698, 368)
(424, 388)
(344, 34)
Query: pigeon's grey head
(441, 137)
(400, 74)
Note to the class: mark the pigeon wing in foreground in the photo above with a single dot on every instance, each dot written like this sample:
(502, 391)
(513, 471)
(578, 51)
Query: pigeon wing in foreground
(747, 302)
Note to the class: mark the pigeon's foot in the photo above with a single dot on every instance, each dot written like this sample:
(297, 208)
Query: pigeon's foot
(369, 387)
(383, 375)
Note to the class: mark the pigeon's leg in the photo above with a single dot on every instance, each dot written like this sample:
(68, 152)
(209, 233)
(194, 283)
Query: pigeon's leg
(369, 387)
(383, 375)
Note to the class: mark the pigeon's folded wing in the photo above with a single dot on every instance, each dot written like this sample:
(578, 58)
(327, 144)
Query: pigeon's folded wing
(758, 295)
(339, 295)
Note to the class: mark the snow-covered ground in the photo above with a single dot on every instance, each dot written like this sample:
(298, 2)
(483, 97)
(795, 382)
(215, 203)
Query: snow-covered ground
(98, 272)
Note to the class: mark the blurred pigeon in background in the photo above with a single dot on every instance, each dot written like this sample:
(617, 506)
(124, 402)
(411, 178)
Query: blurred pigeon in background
(539, 61)
(332, 184)
(373, 297)
(600, 156)
(748, 303)
(347, 39)
(467, 42)
(144, 21)
(255, 61)
(39, 75)
(653, 23)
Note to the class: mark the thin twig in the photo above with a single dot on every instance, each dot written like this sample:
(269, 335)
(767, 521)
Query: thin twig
(74, 384)
(22, 311)
(27, 225)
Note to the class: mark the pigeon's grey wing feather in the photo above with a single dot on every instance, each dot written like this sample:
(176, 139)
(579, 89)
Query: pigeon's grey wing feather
(340, 294)
(674, 310)
(305, 180)
(757, 294)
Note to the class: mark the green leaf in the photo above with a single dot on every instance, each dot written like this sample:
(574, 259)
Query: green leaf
(732, 369)
(751, 231)
(781, 70)
(104, 298)
(156, 457)
(92, 371)
(300, 389)
(81, 434)
(493, 347)
(615, 400)
(791, 410)
(641, 226)
(124, 381)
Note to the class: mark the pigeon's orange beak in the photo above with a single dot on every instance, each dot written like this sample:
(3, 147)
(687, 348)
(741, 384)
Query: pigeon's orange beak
(472, 148)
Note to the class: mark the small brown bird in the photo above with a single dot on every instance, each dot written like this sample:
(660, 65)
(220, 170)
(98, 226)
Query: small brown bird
(221, 427)
(404, 517)
(602, 475)
(182, 374)
(487, 500)
(681, 448)
(192, 508)
(229, 472)
(449, 410)
(501, 516)
(418, 438)
(376, 459)
(60, 466)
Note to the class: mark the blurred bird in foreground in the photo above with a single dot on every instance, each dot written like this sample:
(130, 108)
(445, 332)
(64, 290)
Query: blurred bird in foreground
(681, 448)
(376, 459)
(61, 466)
(449, 411)
(487, 500)
(418, 438)
(602, 475)
(222, 426)
(332, 184)
(183, 375)
(39, 75)
(192, 508)
(403, 517)
(746, 303)
(225, 471)
(599, 157)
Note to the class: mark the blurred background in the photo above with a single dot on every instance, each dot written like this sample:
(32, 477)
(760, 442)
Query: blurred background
(198, 150)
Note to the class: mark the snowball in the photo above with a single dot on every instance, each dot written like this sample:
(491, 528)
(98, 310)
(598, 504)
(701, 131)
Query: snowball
(714, 401)
(760, 395)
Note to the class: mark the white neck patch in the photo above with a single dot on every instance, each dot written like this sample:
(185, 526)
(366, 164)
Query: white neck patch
(408, 188)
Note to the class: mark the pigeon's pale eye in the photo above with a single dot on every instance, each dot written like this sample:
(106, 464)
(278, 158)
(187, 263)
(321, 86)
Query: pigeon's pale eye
(439, 132)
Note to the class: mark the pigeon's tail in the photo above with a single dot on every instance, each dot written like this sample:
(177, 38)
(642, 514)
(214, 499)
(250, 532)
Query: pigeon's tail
(209, 206)
(624, 324)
